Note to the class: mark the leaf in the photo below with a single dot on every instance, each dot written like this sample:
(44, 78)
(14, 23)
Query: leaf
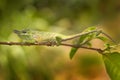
(89, 44)
(74, 50)
(102, 38)
(107, 47)
(112, 64)
(90, 28)
(83, 39)
(98, 33)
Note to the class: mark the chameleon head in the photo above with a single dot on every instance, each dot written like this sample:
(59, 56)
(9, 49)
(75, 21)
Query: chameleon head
(24, 34)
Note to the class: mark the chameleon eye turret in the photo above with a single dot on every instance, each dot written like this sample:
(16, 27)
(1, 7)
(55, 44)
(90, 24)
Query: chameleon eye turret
(24, 31)
(16, 31)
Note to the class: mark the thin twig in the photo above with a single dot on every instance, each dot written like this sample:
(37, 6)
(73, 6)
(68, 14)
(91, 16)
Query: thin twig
(108, 37)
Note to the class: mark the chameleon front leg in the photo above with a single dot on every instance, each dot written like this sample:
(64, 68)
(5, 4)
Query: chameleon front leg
(53, 42)
(48, 42)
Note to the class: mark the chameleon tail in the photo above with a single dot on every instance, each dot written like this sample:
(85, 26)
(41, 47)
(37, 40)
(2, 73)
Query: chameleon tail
(78, 35)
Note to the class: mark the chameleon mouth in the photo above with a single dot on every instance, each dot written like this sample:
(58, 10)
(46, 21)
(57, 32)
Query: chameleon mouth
(16, 31)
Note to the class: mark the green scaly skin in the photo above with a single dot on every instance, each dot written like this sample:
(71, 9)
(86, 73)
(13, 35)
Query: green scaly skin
(30, 35)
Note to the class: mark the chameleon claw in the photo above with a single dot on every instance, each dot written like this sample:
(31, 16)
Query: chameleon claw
(51, 43)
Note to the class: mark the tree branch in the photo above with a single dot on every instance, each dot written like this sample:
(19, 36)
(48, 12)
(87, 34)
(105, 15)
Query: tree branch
(48, 44)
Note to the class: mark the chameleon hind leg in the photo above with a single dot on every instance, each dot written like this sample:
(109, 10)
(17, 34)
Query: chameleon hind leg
(58, 40)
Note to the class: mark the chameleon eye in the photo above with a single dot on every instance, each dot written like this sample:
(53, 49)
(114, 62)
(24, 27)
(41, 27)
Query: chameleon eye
(24, 31)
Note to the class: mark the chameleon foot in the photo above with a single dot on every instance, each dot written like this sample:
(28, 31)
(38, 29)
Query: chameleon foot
(48, 43)
(51, 43)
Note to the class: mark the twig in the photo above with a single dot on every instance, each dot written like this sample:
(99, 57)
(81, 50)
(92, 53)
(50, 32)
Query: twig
(108, 37)
(74, 46)
(48, 44)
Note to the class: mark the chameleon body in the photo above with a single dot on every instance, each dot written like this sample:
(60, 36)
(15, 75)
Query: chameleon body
(34, 35)
(38, 36)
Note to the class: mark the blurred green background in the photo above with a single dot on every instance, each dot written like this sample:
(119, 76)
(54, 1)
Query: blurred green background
(61, 16)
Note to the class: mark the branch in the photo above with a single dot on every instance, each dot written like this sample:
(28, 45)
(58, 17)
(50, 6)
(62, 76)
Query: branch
(21, 43)
(74, 46)
(48, 44)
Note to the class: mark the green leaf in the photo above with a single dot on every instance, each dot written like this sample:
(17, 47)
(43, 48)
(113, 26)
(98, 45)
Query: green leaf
(89, 44)
(90, 28)
(112, 64)
(74, 50)
(98, 33)
(102, 38)
(107, 47)
(83, 39)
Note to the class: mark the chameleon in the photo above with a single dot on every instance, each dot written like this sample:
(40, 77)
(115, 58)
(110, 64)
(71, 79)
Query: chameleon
(38, 36)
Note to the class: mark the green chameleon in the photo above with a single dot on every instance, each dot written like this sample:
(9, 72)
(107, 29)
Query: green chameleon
(33, 35)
